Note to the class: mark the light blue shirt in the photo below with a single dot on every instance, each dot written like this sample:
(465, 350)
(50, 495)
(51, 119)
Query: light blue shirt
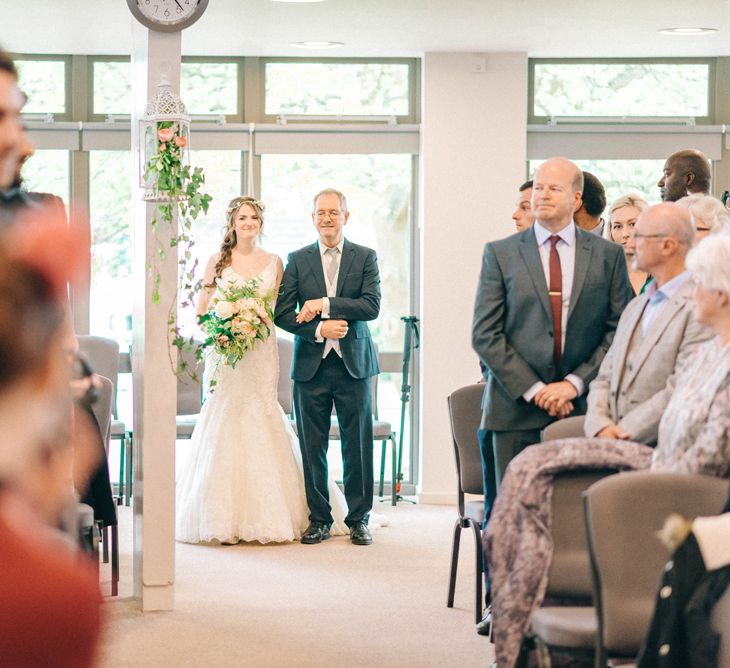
(658, 297)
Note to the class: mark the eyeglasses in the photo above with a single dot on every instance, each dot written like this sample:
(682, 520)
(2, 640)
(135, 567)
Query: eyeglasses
(639, 235)
(334, 213)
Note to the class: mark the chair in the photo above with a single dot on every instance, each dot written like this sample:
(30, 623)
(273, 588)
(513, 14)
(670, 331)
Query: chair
(189, 397)
(568, 629)
(569, 427)
(465, 414)
(102, 409)
(103, 355)
(382, 430)
(623, 514)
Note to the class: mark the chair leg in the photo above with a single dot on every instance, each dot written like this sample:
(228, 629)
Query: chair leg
(454, 563)
(394, 475)
(115, 560)
(382, 470)
(128, 473)
(105, 544)
(479, 570)
(122, 453)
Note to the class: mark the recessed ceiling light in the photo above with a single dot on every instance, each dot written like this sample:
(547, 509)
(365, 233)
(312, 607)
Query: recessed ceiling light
(687, 31)
(317, 45)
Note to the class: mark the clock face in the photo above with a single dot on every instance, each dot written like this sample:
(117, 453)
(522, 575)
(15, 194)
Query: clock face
(167, 14)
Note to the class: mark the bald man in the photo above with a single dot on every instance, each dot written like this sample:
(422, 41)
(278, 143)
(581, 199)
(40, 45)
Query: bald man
(685, 172)
(656, 333)
(548, 302)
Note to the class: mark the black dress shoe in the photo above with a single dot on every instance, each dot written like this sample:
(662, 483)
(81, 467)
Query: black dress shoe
(316, 532)
(484, 627)
(360, 534)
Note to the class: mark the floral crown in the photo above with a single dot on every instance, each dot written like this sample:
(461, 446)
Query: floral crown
(245, 199)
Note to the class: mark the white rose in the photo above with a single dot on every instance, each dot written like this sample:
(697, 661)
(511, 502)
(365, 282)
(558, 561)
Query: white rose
(224, 309)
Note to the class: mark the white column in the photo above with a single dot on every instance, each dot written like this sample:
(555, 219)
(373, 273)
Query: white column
(473, 145)
(155, 387)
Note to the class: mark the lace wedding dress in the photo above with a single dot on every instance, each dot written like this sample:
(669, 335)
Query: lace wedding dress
(243, 477)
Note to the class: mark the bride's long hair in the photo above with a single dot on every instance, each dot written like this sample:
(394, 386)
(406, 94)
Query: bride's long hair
(229, 239)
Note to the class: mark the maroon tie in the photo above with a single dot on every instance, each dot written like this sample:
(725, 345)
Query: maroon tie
(556, 298)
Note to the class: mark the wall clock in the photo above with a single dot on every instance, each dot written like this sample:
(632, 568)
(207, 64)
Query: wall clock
(167, 15)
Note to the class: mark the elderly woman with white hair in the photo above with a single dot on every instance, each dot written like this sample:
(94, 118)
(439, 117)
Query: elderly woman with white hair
(694, 433)
(709, 214)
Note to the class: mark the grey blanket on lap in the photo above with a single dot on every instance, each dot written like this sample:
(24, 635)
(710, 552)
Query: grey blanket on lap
(518, 543)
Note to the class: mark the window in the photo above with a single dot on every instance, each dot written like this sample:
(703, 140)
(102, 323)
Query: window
(111, 249)
(47, 171)
(44, 82)
(621, 88)
(210, 87)
(112, 87)
(621, 177)
(337, 88)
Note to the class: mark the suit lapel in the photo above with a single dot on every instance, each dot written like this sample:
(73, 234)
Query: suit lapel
(623, 342)
(348, 255)
(315, 264)
(583, 253)
(656, 329)
(531, 256)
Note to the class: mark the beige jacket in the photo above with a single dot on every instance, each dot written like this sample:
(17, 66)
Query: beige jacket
(635, 398)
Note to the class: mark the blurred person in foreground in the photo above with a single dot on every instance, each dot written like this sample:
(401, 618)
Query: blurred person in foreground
(49, 593)
(622, 217)
(708, 213)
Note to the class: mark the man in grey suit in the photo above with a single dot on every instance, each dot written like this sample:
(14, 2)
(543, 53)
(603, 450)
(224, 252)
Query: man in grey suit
(336, 285)
(547, 306)
(656, 334)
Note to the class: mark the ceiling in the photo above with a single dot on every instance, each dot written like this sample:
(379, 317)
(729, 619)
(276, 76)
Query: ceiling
(542, 28)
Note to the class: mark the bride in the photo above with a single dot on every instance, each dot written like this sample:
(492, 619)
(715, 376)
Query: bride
(243, 479)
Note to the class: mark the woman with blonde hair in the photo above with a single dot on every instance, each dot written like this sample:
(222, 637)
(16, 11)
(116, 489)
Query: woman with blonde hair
(622, 217)
(708, 213)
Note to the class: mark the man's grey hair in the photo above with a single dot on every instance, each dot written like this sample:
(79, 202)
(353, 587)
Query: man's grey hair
(330, 191)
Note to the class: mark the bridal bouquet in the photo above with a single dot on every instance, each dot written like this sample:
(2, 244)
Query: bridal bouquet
(237, 319)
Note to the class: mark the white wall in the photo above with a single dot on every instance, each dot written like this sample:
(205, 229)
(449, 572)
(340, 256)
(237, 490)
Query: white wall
(473, 148)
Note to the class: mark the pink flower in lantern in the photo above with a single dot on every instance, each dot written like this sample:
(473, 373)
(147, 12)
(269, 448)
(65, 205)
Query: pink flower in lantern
(165, 134)
(180, 141)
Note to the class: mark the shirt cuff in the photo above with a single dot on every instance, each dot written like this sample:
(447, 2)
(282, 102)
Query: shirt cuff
(530, 394)
(318, 334)
(325, 308)
(576, 382)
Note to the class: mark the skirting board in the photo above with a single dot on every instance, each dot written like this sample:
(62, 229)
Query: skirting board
(437, 498)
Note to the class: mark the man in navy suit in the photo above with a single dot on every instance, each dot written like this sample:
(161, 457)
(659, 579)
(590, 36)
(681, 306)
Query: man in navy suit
(547, 306)
(336, 286)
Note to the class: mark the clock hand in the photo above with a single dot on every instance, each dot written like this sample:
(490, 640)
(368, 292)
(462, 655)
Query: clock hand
(179, 5)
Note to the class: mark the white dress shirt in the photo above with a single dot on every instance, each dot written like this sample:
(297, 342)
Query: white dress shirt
(566, 252)
(330, 344)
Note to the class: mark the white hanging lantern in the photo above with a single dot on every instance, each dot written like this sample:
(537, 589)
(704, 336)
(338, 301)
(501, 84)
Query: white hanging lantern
(164, 145)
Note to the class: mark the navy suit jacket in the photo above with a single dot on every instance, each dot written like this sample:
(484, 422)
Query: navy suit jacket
(513, 329)
(357, 300)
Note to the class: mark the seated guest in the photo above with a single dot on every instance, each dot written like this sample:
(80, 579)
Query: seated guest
(50, 596)
(657, 332)
(694, 433)
(523, 215)
(693, 437)
(622, 217)
(709, 214)
(685, 172)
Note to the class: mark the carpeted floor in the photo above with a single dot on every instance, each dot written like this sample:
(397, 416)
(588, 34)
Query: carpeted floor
(327, 605)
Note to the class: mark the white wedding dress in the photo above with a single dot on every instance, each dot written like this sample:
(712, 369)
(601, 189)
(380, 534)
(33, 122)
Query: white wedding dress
(243, 478)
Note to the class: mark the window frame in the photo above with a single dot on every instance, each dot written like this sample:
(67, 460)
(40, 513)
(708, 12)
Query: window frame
(414, 86)
(66, 115)
(709, 119)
